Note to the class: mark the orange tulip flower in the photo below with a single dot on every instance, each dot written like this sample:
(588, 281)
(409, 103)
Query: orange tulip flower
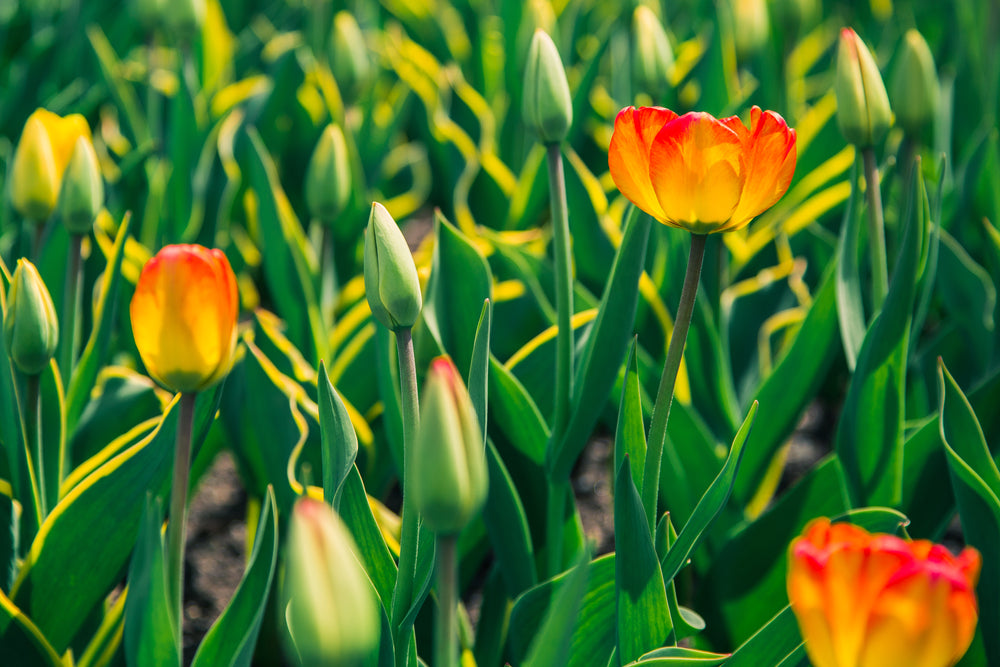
(184, 317)
(866, 600)
(699, 173)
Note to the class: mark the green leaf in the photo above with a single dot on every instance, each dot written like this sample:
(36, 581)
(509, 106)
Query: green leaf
(644, 621)
(372, 550)
(231, 640)
(507, 527)
(850, 304)
(339, 441)
(710, 505)
(770, 645)
(606, 345)
(515, 414)
(480, 365)
(677, 656)
(869, 437)
(630, 433)
(151, 624)
(551, 646)
(21, 642)
(968, 294)
(8, 536)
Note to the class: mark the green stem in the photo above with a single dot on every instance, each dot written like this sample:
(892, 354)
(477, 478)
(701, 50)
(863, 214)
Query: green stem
(876, 230)
(556, 510)
(71, 308)
(447, 579)
(177, 527)
(33, 511)
(665, 393)
(33, 436)
(37, 236)
(328, 274)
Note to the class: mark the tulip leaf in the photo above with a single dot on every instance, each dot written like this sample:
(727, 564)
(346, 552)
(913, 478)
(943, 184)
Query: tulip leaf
(968, 294)
(515, 414)
(869, 438)
(551, 646)
(21, 642)
(644, 621)
(151, 625)
(770, 645)
(479, 369)
(232, 638)
(678, 656)
(8, 536)
(690, 461)
(339, 441)
(710, 505)
(607, 343)
(373, 552)
(630, 433)
(850, 304)
(507, 527)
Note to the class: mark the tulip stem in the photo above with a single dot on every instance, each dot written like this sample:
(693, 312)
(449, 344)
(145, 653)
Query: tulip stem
(24, 418)
(447, 579)
(33, 424)
(876, 230)
(71, 309)
(177, 527)
(665, 393)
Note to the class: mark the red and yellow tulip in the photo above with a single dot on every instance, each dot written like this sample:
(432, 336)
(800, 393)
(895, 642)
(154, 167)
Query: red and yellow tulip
(700, 173)
(184, 317)
(875, 600)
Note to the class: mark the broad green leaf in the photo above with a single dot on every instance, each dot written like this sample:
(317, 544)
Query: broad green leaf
(515, 414)
(677, 656)
(152, 628)
(770, 645)
(339, 441)
(691, 460)
(869, 437)
(507, 527)
(551, 646)
(374, 554)
(606, 345)
(968, 294)
(850, 304)
(709, 371)
(686, 622)
(479, 370)
(710, 505)
(644, 621)
(491, 630)
(231, 639)
(21, 642)
(630, 433)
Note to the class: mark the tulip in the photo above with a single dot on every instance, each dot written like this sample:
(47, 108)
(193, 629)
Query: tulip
(30, 326)
(652, 58)
(699, 173)
(184, 317)
(391, 283)
(449, 460)
(40, 160)
(915, 88)
(82, 193)
(752, 24)
(332, 610)
(328, 176)
(863, 111)
(547, 104)
(865, 600)
(350, 55)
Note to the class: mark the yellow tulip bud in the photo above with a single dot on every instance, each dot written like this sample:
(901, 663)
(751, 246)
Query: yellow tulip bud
(328, 176)
(349, 55)
(652, 58)
(450, 481)
(547, 104)
(30, 325)
(863, 111)
(331, 608)
(391, 283)
(82, 194)
(915, 88)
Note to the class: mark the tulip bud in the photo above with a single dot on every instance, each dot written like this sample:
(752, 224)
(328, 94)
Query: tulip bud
(863, 111)
(915, 87)
(331, 609)
(548, 106)
(752, 27)
(328, 177)
(349, 54)
(449, 481)
(391, 283)
(652, 58)
(82, 194)
(30, 325)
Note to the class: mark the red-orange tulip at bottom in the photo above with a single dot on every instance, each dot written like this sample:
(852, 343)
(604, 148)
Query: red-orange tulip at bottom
(865, 600)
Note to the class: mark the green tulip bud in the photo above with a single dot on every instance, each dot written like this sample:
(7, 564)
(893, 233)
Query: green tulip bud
(449, 482)
(391, 283)
(863, 111)
(328, 177)
(915, 88)
(752, 27)
(548, 106)
(82, 194)
(30, 326)
(331, 608)
(652, 57)
(349, 55)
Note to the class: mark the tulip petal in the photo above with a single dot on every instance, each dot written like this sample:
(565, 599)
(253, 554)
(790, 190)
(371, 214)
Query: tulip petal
(63, 133)
(628, 155)
(770, 156)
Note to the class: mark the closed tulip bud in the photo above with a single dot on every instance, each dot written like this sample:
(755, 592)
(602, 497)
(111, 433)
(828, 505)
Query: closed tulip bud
(30, 325)
(349, 54)
(863, 111)
(184, 317)
(915, 88)
(548, 106)
(328, 177)
(752, 27)
(331, 609)
(82, 194)
(40, 161)
(391, 283)
(864, 600)
(652, 58)
(448, 460)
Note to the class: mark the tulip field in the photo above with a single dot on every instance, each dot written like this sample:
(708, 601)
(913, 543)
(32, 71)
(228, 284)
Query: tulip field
(548, 333)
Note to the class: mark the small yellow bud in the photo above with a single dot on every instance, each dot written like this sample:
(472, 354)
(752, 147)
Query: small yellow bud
(82, 194)
(652, 58)
(391, 283)
(915, 88)
(30, 326)
(349, 55)
(548, 106)
(328, 176)
(863, 111)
